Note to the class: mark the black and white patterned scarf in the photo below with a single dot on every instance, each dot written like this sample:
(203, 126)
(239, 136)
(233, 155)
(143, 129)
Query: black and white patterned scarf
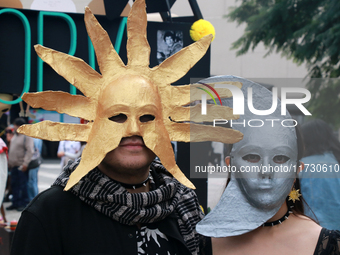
(111, 199)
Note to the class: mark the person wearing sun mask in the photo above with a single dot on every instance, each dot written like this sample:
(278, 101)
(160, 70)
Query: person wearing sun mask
(116, 198)
(261, 209)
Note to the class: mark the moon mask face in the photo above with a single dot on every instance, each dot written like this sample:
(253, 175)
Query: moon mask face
(266, 167)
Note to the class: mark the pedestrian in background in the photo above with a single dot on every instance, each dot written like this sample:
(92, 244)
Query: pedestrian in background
(32, 185)
(3, 175)
(8, 192)
(20, 153)
(65, 151)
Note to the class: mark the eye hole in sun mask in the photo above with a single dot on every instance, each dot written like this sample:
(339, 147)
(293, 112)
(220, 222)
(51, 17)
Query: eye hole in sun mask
(120, 118)
(280, 159)
(252, 158)
(5, 110)
(146, 118)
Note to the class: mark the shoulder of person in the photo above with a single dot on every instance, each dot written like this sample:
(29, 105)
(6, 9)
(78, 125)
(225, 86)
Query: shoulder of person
(53, 201)
(28, 139)
(305, 221)
(305, 227)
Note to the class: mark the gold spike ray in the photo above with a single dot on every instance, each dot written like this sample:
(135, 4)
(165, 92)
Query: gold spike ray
(109, 61)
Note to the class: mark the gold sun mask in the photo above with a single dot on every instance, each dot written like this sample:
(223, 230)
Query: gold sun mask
(152, 107)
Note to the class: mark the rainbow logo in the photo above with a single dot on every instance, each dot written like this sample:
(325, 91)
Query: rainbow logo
(212, 89)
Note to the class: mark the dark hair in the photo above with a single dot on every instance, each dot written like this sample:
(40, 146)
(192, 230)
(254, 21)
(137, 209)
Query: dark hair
(19, 121)
(169, 33)
(319, 138)
(299, 204)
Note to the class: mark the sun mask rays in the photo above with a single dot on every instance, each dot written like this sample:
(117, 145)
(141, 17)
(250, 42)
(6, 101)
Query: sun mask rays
(128, 86)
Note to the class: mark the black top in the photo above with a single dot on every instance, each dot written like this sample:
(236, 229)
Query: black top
(59, 223)
(328, 243)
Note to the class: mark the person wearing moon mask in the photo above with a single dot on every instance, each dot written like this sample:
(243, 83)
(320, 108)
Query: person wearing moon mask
(261, 211)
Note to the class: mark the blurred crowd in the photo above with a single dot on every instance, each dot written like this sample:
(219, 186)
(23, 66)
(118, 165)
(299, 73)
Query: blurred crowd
(23, 163)
(22, 179)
